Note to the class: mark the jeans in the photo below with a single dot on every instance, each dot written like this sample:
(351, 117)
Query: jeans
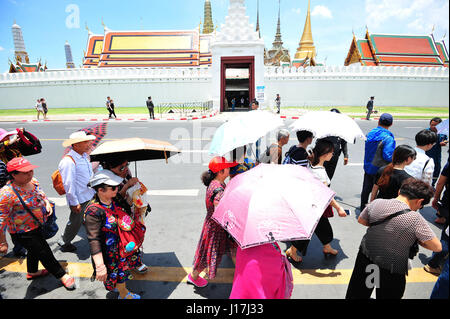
(39, 250)
(440, 290)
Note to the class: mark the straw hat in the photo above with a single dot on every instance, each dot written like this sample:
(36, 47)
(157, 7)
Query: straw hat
(78, 137)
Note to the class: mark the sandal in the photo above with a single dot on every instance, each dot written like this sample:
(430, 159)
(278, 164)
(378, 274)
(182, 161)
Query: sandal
(42, 273)
(142, 269)
(69, 283)
(131, 295)
(289, 255)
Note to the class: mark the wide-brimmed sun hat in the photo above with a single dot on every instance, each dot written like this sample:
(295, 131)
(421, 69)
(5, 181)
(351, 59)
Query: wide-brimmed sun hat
(78, 137)
(4, 133)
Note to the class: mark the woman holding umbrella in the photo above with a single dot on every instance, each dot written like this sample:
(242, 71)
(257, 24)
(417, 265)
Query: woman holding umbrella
(120, 167)
(214, 241)
(322, 152)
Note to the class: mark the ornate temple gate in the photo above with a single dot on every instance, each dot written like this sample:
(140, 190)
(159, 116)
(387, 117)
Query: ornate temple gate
(237, 62)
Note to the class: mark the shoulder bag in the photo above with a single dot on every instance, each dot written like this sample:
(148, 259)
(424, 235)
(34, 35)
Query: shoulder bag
(49, 228)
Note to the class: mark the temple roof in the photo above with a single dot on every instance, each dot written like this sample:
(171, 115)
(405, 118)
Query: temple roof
(148, 49)
(26, 67)
(397, 50)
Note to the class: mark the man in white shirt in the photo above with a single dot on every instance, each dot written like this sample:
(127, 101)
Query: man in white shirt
(76, 171)
(423, 166)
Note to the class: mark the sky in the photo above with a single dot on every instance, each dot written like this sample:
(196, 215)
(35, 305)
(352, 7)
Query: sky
(48, 24)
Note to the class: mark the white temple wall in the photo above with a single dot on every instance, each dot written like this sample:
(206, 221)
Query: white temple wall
(318, 86)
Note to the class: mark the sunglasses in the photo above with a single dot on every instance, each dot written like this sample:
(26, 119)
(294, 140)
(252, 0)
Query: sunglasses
(123, 168)
(113, 188)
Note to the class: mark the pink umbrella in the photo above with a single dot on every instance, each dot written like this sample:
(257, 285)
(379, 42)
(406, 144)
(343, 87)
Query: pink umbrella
(272, 203)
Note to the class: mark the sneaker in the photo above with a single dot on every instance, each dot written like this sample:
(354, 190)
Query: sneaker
(200, 282)
(431, 270)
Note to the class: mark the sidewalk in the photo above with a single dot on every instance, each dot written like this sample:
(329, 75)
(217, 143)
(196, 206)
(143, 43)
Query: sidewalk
(103, 118)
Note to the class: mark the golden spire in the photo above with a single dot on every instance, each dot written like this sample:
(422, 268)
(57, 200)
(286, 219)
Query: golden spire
(208, 25)
(306, 49)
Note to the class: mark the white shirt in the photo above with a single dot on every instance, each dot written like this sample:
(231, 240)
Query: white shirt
(320, 173)
(76, 177)
(418, 170)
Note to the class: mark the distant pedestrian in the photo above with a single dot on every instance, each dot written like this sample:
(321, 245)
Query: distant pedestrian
(369, 107)
(395, 229)
(151, 108)
(76, 171)
(24, 222)
(39, 108)
(242, 102)
(44, 107)
(423, 167)
(278, 102)
(379, 147)
(233, 104)
(214, 241)
(436, 151)
(110, 107)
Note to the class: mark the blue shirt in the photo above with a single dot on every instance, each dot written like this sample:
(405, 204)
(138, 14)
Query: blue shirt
(374, 137)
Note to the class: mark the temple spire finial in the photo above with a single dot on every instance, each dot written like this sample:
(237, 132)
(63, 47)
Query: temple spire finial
(307, 49)
(208, 25)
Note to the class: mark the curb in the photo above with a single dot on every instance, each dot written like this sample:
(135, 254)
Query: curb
(119, 119)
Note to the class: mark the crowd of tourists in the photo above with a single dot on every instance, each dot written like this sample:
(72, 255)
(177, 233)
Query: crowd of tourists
(399, 180)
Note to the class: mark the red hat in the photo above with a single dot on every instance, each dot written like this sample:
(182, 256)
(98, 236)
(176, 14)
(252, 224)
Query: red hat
(218, 163)
(19, 164)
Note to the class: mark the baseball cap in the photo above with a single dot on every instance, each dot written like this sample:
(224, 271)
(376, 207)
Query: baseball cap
(218, 163)
(106, 177)
(19, 164)
(386, 119)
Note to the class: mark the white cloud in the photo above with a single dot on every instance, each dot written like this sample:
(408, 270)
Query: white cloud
(322, 11)
(296, 10)
(417, 15)
(2, 49)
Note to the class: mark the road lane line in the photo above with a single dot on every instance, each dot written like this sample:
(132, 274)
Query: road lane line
(224, 275)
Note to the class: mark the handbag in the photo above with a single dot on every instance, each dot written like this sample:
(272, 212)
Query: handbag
(378, 160)
(49, 228)
(414, 249)
(28, 144)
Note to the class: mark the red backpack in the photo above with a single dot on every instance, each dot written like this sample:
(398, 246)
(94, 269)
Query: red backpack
(131, 232)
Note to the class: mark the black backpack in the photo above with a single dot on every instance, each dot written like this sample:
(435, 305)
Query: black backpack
(28, 144)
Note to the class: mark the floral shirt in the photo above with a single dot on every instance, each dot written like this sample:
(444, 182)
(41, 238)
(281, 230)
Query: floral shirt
(13, 216)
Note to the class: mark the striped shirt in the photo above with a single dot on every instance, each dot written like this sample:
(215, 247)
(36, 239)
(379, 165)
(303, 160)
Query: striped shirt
(298, 156)
(388, 244)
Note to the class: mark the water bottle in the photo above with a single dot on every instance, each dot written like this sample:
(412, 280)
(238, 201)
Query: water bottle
(130, 246)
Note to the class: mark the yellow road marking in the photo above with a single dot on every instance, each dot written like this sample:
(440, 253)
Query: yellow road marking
(224, 275)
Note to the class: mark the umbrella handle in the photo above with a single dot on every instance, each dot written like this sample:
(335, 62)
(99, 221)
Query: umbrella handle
(165, 156)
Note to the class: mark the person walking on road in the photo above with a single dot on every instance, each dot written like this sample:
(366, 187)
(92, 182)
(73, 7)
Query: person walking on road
(24, 228)
(395, 227)
(369, 107)
(151, 108)
(436, 151)
(102, 222)
(274, 153)
(39, 108)
(278, 102)
(214, 241)
(390, 178)
(379, 148)
(110, 107)
(76, 171)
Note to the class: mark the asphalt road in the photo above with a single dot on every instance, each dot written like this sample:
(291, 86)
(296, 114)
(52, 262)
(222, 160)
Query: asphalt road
(178, 210)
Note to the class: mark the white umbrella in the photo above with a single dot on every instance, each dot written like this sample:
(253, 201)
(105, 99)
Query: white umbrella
(323, 124)
(442, 128)
(244, 129)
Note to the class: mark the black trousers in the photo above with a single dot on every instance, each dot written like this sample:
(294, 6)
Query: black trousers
(151, 111)
(39, 250)
(368, 182)
(323, 231)
(391, 286)
(330, 166)
(111, 112)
